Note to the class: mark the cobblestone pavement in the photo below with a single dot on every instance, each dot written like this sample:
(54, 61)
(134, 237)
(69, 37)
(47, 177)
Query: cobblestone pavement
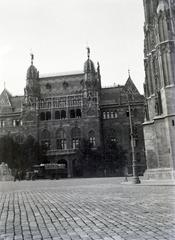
(85, 209)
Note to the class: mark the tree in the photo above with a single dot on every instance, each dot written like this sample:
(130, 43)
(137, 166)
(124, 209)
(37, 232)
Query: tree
(10, 152)
(114, 156)
(88, 160)
(19, 156)
(31, 152)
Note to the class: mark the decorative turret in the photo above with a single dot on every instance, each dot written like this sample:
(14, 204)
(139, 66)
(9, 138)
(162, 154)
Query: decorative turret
(32, 85)
(89, 65)
(90, 72)
(32, 72)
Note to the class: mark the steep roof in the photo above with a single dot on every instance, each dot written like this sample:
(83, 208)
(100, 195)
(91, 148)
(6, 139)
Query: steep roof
(5, 98)
(130, 87)
(61, 83)
(119, 94)
(8, 103)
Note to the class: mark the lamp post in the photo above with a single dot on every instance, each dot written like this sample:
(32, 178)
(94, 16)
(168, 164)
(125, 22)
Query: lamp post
(135, 179)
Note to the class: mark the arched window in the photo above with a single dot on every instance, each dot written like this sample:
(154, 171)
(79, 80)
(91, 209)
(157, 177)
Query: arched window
(76, 136)
(92, 139)
(45, 139)
(42, 116)
(72, 113)
(78, 113)
(61, 139)
(63, 114)
(19, 139)
(110, 135)
(104, 115)
(107, 115)
(57, 115)
(48, 115)
(115, 114)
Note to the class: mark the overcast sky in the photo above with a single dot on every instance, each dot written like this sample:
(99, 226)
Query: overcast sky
(58, 31)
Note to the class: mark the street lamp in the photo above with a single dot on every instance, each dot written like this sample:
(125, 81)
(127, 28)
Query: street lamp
(135, 179)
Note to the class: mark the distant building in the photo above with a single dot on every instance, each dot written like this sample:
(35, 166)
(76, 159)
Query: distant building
(159, 51)
(59, 110)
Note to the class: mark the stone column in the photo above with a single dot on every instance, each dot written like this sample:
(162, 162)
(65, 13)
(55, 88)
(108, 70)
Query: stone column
(69, 168)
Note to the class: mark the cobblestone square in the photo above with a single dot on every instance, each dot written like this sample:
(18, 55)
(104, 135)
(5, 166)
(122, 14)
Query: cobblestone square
(86, 209)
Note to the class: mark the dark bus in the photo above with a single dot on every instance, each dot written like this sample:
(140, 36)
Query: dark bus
(47, 171)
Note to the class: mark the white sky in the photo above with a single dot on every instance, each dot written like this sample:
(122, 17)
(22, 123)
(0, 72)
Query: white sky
(58, 31)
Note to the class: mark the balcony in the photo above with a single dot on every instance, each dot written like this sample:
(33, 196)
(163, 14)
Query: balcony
(54, 152)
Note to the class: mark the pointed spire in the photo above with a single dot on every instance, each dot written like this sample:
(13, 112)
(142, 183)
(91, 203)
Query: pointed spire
(98, 67)
(32, 58)
(129, 76)
(88, 52)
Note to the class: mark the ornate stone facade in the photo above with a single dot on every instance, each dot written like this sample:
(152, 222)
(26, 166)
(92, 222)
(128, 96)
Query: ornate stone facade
(58, 110)
(159, 87)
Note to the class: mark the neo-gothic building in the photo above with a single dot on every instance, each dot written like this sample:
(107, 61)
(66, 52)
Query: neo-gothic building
(159, 54)
(59, 110)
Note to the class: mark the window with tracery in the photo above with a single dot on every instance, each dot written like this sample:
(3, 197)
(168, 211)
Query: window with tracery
(61, 139)
(76, 137)
(92, 141)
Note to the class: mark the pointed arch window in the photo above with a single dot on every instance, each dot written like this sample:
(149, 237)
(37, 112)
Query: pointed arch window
(61, 139)
(42, 116)
(57, 114)
(63, 114)
(78, 113)
(76, 137)
(92, 140)
(72, 113)
(45, 139)
(48, 115)
(19, 139)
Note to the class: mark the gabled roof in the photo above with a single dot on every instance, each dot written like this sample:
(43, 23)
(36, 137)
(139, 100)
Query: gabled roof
(119, 94)
(130, 87)
(9, 104)
(5, 99)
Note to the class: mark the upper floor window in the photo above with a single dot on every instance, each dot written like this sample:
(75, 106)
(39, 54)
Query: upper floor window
(110, 114)
(63, 114)
(104, 115)
(92, 139)
(45, 139)
(61, 139)
(76, 136)
(17, 122)
(48, 115)
(42, 116)
(57, 114)
(72, 113)
(2, 123)
(78, 113)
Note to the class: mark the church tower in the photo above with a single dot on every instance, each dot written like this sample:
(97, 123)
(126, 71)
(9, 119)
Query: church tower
(159, 88)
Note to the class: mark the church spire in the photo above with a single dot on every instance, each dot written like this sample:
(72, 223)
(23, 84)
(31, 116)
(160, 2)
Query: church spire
(32, 58)
(88, 52)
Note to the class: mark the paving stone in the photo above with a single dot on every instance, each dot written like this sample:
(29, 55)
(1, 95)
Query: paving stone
(86, 209)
